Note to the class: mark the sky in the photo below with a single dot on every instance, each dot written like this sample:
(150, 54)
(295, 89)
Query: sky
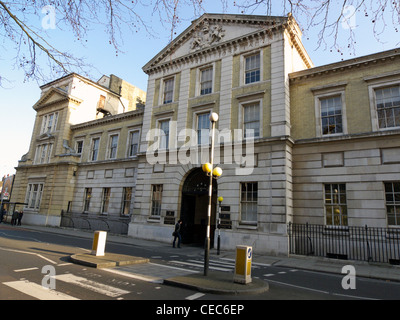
(17, 96)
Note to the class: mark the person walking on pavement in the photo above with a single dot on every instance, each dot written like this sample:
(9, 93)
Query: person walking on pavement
(177, 234)
(2, 213)
(14, 218)
(20, 214)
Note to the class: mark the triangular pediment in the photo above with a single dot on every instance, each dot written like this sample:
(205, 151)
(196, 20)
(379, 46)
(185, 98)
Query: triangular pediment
(211, 31)
(53, 96)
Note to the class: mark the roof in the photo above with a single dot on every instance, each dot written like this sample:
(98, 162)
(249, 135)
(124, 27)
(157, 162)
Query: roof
(256, 25)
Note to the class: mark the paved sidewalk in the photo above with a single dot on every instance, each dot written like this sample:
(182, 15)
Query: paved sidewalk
(222, 282)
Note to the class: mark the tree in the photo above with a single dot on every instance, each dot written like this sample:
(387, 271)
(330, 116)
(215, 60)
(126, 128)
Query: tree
(330, 17)
(18, 31)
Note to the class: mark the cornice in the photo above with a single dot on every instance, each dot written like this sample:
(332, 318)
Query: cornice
(110, 119)
(351, 64)
(268, 25)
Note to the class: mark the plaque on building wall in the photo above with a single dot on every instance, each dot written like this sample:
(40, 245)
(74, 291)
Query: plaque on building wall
(169, 217)
(225, 221)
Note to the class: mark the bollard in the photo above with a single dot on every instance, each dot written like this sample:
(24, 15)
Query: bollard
(99, 243)
(243, 264)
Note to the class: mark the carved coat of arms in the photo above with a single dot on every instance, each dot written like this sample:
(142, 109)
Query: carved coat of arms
(207, 36)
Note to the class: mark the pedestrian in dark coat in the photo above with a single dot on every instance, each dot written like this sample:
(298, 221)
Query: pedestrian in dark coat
(177, 234)
(14, 218)
(20, 214)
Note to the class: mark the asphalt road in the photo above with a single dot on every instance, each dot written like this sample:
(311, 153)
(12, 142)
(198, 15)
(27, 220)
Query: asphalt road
(30, 259)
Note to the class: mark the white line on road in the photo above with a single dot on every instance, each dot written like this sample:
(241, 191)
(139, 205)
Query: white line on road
(200, 266)
(31, 253)
(321, 291)
(26, 269)
(38, 291)
(195, 296)
(91, 285)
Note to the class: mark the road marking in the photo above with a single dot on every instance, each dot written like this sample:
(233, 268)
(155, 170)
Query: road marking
(27, 269)
(37, 291)
(92, 285)
(133, 275)
(321, 291)
(200, 266)
(195, 296)
(31, 253)
(268, 275)
(172, 267)
(64, 264)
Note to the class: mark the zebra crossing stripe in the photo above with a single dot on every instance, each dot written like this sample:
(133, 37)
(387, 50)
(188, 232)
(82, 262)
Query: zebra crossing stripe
(92, 285)
(37, 291)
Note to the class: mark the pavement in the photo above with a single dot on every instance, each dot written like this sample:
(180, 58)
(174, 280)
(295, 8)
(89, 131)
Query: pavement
(217, 281)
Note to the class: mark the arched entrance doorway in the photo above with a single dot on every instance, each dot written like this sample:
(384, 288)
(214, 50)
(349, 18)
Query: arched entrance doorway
(195, 206)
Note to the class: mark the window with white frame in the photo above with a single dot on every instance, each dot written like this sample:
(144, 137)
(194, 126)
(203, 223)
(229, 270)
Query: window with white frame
(206, 80)
(251, 120)
(252, 69)
(126, 201)
(392, 195)
(105, 200)
(164, 134)
(156, 197)
(203, 128)
(388, 106)
(79, 146)
(248, 201)
(43, 153)
(34, 195)
(94, 149)
(331, 115)
(168, 92)
(133, 147)
(49, 123)
(335, 204)
(112, 146)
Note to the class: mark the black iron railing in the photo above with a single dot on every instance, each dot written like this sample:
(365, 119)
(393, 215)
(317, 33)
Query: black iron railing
(87, 221)
(370, 244)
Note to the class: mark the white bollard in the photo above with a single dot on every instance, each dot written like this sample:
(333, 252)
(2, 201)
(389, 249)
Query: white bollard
(99, 243)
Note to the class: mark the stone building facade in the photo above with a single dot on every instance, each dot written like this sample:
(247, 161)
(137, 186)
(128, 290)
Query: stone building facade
(80, 158)
(238, 67)
(296, 143)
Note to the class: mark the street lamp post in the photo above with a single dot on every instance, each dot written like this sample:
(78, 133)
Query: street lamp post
(208, 168)
(220, 199)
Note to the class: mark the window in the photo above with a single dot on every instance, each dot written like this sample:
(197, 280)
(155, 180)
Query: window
(248, 201)
(43, 153)
(164, 138)
(392, 192)
(206, 81)
(168, 91)
(331, 115)
(203, 128)
(49, 123)
(252, 68)
(126, 201)
(86, 200)
(105, 199)
(335, 204)
(133, 143)
(79, 147)
(388, 106)
(94, 150)
(34, 195)
(113, 144)
(251, 120)
(156, 199)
